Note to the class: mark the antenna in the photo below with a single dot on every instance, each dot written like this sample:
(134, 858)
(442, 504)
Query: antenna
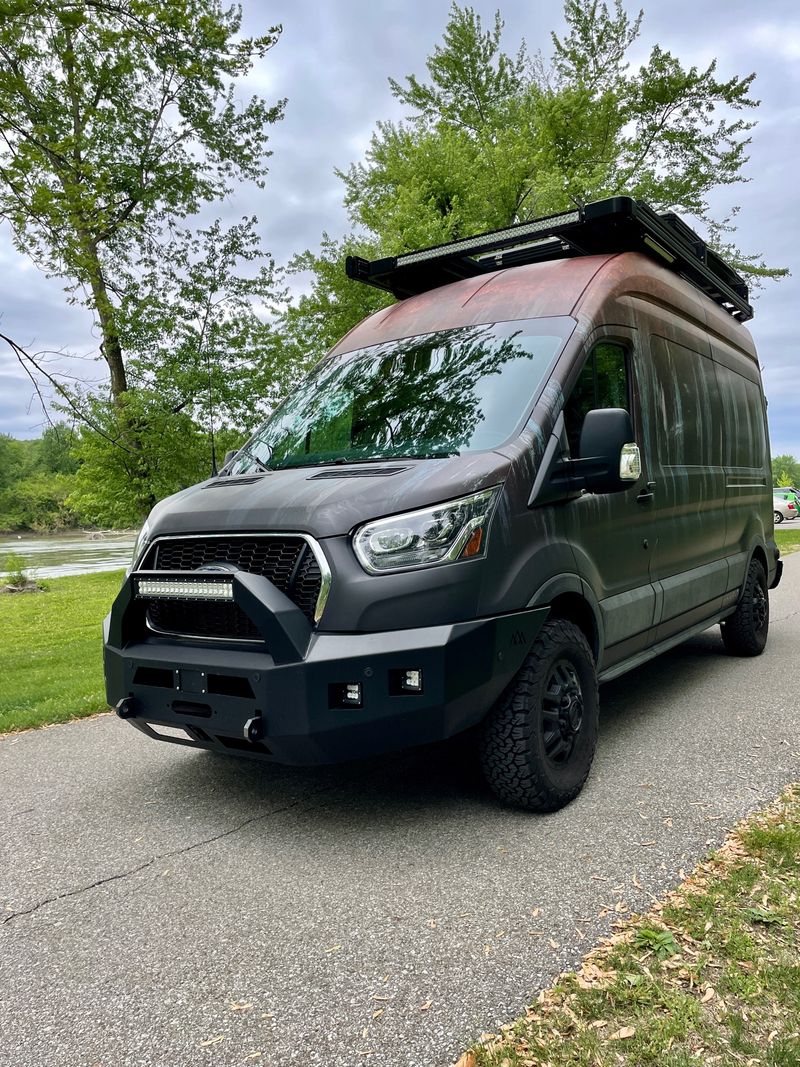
(214, 471)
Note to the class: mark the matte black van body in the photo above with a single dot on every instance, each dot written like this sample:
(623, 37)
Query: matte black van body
(635, 570)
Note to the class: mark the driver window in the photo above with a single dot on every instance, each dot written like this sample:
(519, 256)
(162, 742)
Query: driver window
(603, 383)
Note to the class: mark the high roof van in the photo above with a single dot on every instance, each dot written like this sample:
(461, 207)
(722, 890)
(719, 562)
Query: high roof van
(543, 465)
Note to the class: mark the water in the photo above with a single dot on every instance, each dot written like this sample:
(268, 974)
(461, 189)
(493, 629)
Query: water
(57, 555)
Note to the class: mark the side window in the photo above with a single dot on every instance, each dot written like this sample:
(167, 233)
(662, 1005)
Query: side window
(744, 440)
(687, 405)
(603, 383)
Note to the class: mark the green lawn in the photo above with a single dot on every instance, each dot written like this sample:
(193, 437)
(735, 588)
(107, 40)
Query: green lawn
(709, 976)
(51, 650)
(787, 536)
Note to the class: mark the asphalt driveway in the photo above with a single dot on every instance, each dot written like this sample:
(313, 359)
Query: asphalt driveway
(161, 906)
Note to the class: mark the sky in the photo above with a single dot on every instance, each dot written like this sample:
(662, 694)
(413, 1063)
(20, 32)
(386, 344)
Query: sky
(332, 62)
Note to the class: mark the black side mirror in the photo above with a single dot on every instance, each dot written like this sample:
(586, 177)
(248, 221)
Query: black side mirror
(609, 456)
(229, 456)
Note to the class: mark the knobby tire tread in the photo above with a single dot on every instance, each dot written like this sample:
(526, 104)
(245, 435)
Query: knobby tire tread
(508, 737)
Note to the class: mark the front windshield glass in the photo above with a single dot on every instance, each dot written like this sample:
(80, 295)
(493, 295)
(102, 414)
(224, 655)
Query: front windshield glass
(435, 394)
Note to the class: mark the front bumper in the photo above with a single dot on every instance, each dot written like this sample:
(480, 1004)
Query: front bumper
(286, 707)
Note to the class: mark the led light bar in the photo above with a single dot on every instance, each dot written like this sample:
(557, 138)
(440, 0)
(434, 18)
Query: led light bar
(518, 234)
(183, 588)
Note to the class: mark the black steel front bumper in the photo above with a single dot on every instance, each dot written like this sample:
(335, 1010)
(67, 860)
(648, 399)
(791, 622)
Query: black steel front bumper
(282, 701)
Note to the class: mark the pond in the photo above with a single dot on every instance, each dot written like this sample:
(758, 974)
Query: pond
(57, 555)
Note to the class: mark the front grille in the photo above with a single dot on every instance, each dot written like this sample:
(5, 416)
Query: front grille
(287, 562)
(201, 618)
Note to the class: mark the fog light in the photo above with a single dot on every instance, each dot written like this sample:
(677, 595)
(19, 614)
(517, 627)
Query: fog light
(411, 681)
(345, 695)
(405, 682)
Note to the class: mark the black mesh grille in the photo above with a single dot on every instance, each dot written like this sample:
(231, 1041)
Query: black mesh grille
(287, 562)
(201, 618)
(274, 557)
(305, 588)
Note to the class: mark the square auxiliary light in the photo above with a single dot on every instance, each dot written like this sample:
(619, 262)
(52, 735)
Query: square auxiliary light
(345, 695)
(411, 681)
(183, 588)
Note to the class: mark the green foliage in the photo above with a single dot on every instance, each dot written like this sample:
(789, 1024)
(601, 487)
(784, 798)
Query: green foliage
(121, 118)
(318, 319)
(117, 482)
(660, 942)
(492, 138)
(13, 567)
(785, 470)
(120, 121)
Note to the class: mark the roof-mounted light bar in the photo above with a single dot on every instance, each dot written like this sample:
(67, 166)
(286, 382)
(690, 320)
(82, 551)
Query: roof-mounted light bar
(618, 224)
(511, 235)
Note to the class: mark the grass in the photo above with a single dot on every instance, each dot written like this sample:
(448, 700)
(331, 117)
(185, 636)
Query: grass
(787, 536)
(51, 666)
(710, 976)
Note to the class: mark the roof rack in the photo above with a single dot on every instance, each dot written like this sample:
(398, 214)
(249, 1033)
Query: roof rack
(618, 224)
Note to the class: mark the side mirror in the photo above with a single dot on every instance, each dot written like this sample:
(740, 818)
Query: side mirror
(609, 456)
(229, 456)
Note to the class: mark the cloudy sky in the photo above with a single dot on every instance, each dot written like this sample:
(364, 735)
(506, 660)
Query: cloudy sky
(333, 61)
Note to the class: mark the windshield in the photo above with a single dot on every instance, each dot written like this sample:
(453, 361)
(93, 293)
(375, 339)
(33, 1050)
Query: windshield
(435, 394)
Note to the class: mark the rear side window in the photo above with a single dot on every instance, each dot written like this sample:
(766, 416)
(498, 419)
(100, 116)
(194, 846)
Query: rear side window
(687, 406)
(603, 383)
(743, 439)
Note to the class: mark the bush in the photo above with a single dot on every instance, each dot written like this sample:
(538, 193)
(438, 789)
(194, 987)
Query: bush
(37, 502)
(14, 567)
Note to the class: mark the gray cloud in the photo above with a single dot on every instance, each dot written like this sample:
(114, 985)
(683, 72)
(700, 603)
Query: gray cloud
(333, 61)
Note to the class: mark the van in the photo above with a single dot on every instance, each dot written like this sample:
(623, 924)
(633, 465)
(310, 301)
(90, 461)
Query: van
(543, 465)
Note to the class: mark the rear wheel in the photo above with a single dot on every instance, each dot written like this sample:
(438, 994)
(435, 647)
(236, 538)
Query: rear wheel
(538, 742)
(778, 518)
(745, 632)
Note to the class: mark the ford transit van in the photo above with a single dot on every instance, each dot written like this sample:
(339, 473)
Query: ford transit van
(544, 464)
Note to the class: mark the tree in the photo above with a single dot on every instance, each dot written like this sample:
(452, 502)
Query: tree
(492, 138)
(785, 470)
(117, 118)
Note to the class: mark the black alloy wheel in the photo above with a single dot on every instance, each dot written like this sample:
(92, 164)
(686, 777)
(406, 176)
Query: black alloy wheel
(745, 632)
(538, 741)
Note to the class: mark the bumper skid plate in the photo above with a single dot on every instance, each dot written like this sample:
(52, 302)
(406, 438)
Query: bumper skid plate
(306, 696)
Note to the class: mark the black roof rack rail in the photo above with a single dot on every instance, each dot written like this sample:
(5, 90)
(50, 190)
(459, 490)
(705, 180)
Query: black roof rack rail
(618, 224)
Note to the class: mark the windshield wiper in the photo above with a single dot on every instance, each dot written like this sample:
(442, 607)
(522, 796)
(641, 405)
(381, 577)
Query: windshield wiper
(247, 451)
(426, 455)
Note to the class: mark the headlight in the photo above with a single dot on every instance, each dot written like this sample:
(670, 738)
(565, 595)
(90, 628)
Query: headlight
(441, 534)
(140, 546)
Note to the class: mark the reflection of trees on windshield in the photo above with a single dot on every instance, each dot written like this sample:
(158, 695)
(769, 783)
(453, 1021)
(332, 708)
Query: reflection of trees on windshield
(417, 395)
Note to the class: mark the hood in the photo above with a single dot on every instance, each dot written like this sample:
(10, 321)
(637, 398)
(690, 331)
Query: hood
(324, 501)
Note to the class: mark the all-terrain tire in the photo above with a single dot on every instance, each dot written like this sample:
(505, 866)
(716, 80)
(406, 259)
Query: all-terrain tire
(745, 632)
(532, 754)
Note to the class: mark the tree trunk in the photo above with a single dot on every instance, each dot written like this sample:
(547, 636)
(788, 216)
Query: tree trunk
(110, 345)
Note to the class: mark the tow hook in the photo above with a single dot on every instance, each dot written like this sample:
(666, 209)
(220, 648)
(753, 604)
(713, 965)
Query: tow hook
(126, 708)
(254, 729)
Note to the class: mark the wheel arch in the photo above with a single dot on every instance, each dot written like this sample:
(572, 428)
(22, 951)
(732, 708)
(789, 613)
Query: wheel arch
(568, 597)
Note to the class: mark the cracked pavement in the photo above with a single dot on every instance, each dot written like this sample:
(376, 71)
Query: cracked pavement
(165, 906)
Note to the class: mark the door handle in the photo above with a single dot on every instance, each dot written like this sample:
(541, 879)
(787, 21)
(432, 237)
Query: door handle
(646, 494)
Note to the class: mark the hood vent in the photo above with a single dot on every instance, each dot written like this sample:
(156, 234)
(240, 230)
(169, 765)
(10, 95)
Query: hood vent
(357, 472)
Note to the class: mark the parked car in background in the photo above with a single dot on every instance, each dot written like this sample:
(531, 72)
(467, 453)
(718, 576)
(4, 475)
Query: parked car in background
(784, 509)
(786, 492)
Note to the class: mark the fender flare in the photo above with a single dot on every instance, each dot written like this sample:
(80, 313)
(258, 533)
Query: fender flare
(573, 584)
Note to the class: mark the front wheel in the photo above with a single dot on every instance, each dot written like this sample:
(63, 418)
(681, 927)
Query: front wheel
(745, 632)
(778, 518)
(539, 740)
